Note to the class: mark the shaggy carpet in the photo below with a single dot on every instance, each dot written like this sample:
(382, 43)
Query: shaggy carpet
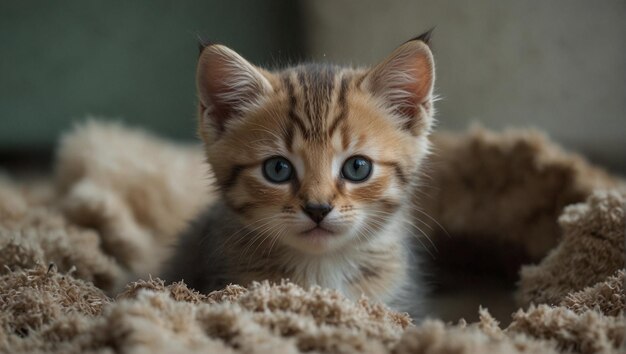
(510, 203)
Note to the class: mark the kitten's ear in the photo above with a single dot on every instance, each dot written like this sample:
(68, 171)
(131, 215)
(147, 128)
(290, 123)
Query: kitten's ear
(227, 85)
(405, 81)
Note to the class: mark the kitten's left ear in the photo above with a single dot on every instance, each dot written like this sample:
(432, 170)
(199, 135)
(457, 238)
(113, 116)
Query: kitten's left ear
(405, 81)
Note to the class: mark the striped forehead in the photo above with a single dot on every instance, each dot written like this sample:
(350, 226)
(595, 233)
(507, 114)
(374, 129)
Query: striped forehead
(316, 95)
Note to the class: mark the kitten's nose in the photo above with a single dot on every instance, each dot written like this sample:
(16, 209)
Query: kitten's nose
(317, 212)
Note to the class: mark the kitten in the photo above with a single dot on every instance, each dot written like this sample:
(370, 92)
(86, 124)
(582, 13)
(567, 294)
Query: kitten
(315, 166)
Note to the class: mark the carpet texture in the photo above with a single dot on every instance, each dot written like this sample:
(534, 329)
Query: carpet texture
(70, 244)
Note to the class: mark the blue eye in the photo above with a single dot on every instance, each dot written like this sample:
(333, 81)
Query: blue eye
(277, 169)
(356, 169)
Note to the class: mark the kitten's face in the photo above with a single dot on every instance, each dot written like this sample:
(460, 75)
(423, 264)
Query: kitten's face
(315, 157)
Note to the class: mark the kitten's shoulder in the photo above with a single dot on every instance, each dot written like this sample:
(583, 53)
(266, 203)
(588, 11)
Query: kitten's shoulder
(198, 258)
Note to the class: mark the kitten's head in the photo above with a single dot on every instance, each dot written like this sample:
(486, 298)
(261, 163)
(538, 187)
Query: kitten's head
(316, 157)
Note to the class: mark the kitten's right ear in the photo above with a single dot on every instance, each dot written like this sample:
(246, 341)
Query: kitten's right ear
(227, 85)
(404, 81)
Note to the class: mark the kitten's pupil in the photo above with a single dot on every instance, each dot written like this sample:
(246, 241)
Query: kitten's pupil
(277, 170)
(357, 169)
(279, 167)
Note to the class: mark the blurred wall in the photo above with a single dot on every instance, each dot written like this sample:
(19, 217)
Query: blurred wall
(130, 60)
(556, 65)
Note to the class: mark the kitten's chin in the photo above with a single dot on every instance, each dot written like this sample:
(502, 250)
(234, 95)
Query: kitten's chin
(317, 233)
(316, 240)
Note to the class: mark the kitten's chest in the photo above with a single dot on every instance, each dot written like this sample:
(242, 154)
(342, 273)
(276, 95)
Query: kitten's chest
(327, 272)
(378, 272)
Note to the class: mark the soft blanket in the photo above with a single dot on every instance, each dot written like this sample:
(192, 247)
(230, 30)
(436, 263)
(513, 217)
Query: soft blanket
(69, 245)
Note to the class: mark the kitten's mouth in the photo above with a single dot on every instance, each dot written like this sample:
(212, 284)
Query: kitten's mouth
(317, 232)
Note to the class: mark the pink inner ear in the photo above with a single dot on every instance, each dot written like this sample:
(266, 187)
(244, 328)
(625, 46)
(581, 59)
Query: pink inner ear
(216, 90)
(405, 79)
(418, 89)
(423, 85)
(227, 84)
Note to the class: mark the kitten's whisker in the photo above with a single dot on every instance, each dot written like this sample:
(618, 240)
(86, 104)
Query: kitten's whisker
(389, 213)
(258, 231)
(361, 233)
(409, 231)
(415, 226)
(423, 192)
(245, 227)
(267, 232)
(256, 236)
(369, 232)
(415, 208)
(274, 241)
(270, 233)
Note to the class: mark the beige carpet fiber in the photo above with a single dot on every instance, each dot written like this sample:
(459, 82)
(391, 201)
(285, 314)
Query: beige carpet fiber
(510, 202)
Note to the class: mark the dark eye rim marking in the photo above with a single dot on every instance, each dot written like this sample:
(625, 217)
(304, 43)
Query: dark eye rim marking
(369, 173)
(399, 171)
(235, 173)
(268, 178)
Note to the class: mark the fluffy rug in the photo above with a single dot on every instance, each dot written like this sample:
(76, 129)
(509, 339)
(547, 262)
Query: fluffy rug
(510, 203)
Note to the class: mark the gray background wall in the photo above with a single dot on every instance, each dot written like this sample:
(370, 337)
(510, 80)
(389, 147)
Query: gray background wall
(557, 65)
(130, 60)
